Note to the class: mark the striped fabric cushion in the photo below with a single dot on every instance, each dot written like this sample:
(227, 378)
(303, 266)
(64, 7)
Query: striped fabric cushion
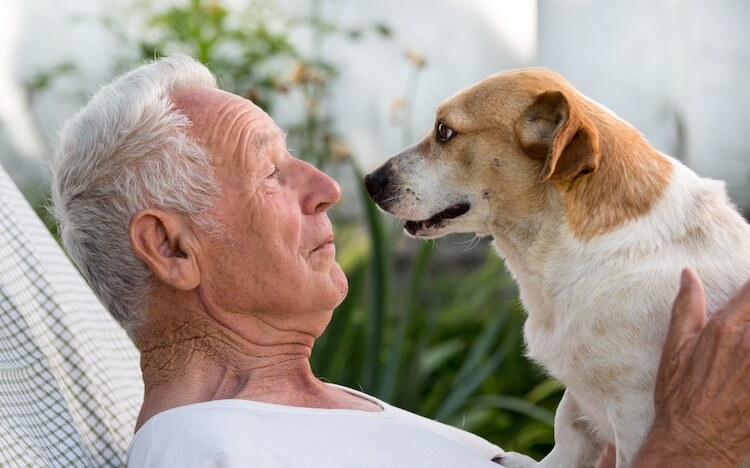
(70, 384)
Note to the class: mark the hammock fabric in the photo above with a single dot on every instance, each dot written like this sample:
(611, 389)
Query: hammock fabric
(70, 385)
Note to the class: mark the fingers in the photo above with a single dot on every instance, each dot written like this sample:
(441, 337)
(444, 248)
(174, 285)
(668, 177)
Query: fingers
(738, 306)
(688, 311)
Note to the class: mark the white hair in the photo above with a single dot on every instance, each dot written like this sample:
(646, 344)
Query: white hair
(125, 151)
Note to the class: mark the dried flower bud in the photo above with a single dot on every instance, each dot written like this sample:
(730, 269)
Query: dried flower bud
(397, 106)
(416, 57)
(340, 151)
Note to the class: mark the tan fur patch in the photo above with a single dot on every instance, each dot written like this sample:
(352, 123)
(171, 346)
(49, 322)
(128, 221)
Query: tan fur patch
(631, 178)
(610, 380)
(546, 322)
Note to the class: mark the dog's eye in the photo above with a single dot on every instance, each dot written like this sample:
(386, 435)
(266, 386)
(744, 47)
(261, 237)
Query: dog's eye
(444, 132)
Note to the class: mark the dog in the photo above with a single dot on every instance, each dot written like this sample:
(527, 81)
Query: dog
(595, 226)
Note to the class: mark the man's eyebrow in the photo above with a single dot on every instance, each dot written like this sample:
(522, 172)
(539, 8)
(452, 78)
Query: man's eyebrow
(262, 140)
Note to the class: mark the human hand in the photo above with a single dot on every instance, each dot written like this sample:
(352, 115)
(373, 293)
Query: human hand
(702, 394)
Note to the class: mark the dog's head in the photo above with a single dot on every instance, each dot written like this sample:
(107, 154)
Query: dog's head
(495, 149)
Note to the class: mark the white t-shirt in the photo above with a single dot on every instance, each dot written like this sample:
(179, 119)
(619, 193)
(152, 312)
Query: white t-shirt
(243, 433)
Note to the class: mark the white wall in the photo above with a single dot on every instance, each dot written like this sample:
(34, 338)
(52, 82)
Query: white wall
(35, 34)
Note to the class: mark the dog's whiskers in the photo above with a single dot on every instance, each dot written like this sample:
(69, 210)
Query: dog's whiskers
(472, 243)
(475, 241)
(405, 207)
(396, 198)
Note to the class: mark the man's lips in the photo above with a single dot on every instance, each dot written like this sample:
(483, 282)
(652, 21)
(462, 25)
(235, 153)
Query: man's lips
(325, 243)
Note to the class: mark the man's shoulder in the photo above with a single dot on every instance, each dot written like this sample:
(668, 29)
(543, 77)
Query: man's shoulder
(202, 434)
(277, 435)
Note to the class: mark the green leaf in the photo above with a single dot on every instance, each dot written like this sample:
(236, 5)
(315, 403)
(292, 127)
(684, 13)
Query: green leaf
(544, 390)
(438, 354)
(517, 405)
(383, 29)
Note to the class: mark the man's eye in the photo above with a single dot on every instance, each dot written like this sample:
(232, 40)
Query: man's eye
(272, 179)
(444, 132)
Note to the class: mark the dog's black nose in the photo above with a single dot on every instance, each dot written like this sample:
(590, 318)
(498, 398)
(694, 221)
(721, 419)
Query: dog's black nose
(374, 182)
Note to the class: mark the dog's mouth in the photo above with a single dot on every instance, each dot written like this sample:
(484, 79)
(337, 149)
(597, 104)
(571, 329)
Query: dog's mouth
(437, 220)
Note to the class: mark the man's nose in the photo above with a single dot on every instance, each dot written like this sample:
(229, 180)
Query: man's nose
(325, 191)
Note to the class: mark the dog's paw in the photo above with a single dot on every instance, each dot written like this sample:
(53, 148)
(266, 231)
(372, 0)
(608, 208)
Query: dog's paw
(516, 460)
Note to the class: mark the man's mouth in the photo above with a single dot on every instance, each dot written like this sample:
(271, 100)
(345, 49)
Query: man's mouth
(328, 241)
(454, 211)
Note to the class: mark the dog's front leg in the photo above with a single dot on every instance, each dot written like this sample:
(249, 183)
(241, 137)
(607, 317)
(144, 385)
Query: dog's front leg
(575, 445)
(631, 416)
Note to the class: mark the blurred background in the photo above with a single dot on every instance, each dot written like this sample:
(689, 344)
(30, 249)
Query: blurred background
(431, 327)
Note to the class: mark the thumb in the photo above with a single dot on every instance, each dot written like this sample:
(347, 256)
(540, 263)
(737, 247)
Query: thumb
(688, 311)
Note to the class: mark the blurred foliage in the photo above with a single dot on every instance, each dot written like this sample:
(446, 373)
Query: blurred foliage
(251, 51)
(43, 79)
(444, 342)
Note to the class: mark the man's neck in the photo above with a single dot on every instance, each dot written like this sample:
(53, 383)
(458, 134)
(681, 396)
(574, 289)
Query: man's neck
(196, 359)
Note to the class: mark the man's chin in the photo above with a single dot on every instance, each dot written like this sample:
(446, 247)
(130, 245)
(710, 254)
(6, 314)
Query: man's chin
(340, 282)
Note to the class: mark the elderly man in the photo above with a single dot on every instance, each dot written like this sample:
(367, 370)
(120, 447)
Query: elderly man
(211, 244)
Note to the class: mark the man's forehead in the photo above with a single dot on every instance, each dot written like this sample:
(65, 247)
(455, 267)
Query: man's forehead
(261, 140)
(201, 102)
(227, 124)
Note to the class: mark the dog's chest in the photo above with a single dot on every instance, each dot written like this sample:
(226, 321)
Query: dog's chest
(585, 327)
(566, 346)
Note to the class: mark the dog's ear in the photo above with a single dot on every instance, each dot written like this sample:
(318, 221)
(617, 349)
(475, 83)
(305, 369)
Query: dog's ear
(555, 131)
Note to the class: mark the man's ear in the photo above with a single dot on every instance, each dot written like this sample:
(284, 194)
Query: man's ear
(166, 244)
(554, 130)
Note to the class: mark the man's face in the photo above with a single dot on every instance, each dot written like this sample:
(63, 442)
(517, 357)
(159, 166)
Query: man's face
(275, 258)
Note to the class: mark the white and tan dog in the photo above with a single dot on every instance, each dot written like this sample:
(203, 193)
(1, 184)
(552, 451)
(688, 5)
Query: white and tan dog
(594, 224)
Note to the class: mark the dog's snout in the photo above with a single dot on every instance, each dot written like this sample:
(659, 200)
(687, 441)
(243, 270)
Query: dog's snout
(375, 182)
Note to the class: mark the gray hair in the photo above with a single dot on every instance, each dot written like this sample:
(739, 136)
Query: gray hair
(125, 151)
